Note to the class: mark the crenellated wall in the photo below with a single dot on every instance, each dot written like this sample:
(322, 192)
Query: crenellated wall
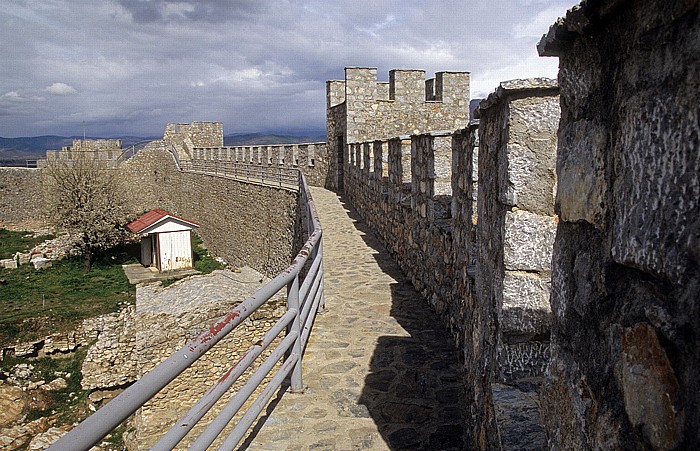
(360, 109)
(311, 158)
(486, 274)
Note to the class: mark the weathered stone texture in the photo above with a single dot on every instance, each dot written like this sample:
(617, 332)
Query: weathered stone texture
(514, 239)
(625, 277)
(21, 207)
(406, 105)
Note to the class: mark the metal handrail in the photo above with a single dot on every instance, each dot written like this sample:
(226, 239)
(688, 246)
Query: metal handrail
(304, 282)
(268, 175)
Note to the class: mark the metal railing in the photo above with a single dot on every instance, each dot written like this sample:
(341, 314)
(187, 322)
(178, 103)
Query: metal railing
(303, 280)
(268, 175)
(132, 150)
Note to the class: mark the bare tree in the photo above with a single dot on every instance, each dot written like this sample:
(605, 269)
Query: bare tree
(84, 199)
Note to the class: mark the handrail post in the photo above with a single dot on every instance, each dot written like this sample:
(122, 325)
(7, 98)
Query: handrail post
(297, 385)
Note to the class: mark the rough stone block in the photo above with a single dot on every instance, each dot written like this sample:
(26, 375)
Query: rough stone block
(525, 309)
(657, 198)
(581, 175)
(8, 263)
(531, 154)
(41, 263)
(23, 259)
(528, 241)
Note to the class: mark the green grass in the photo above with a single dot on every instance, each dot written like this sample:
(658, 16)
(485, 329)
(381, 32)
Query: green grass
(36, 303)
(11, 242)
(203, 262)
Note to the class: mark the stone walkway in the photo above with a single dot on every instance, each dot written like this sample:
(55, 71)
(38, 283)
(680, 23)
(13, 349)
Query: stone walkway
(381, 372)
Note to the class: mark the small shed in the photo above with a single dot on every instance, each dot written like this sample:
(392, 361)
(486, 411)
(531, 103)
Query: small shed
(166, 241)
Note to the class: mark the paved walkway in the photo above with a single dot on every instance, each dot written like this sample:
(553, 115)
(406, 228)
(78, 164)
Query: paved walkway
(380, 370)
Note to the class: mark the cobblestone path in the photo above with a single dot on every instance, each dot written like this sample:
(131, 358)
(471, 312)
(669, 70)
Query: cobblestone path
(381, 372)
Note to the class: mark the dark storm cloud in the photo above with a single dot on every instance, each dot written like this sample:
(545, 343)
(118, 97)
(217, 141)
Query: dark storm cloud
(131, 66)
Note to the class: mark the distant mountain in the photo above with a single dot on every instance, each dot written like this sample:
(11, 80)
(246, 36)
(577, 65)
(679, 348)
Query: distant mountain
(249, 139)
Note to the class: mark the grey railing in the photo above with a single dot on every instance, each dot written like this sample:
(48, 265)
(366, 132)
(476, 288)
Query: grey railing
(132, 150)
(263, 174)
(303, 280)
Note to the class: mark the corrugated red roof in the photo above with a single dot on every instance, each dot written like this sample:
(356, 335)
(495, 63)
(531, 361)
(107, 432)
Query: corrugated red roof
(152, 217)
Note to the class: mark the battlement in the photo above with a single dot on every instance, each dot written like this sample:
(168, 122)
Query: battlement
(404, 85)
(95, 144)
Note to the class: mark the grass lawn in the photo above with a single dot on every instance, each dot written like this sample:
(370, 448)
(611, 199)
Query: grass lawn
(11, 242)
(36, 303)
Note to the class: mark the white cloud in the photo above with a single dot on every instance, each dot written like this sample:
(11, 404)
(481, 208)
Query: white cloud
(60, 89)
(12, 95)
(253, 65)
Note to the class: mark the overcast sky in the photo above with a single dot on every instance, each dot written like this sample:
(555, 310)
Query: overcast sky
(128, 67)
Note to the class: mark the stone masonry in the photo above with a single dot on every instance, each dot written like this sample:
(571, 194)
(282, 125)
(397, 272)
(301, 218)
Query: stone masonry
(360, 109)
(626, 274)
(509, 343)
(260, 222)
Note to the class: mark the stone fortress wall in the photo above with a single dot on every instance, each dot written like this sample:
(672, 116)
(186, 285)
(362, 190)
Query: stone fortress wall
(311, 158)
(106, 150)
(244, 224)
(618, 178)
(624, 263)
(488, 278)
(361, 109)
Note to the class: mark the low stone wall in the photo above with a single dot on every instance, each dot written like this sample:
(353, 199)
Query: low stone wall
(21, 204)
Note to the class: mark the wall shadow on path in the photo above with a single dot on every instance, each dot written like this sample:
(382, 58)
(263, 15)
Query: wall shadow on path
(414, 390)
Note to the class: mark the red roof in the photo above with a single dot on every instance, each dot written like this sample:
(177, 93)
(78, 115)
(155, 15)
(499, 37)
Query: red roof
(152, 217)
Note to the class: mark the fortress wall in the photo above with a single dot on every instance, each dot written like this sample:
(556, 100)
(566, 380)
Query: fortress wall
(626, 269)
(242, 223)
(507, 348)
(407, 105)
(21, 207)
(488, 280)
(311, 158)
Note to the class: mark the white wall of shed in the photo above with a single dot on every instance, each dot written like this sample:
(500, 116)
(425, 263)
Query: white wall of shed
(175, 250)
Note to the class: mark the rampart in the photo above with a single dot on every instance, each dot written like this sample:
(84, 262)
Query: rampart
(107, 150)
(488, 278)
(360, 109)
(20, 190)
(309, 157)
(244, 224)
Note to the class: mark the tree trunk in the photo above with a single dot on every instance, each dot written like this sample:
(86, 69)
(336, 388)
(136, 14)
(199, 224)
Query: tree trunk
(87, 261)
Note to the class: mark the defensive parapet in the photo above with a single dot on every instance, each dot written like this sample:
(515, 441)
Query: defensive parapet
(361, 109)
(308, 157)
(185, 137)
(107, 150)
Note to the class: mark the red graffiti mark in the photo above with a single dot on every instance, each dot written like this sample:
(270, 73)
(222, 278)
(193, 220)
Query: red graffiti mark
(217, 327)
